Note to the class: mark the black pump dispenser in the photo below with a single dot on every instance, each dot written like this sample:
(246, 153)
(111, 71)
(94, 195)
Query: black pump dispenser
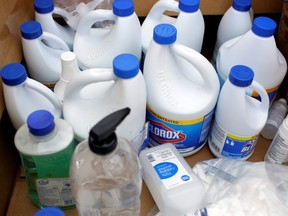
(102, 137)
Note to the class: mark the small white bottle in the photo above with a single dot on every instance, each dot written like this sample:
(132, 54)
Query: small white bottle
(105, 171)
(44, 10)
(277, 114)
(46, 145)
(24, 95)
(69, 70)
(236, 21)
(239, 118)
(278, 150)
(172, 183)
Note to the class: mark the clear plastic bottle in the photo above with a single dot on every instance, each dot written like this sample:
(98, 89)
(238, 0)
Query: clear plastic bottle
(278, 150)
(236, 21)
(49, 211)
(277, 114)
(105, 172)
(46, 146)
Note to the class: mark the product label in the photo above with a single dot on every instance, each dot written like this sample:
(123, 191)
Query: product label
(54, 192)
(169, 168)
(186, 135)
(230, 145)
(89, 212)
(277, 152)
(47, 177)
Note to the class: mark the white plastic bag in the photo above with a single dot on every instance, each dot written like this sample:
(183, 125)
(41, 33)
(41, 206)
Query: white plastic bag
(242, 188)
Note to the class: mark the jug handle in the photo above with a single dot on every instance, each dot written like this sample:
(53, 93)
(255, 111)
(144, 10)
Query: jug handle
(53, 38)
(200, 63)
(265, 102)
(87, 21)
(38, 87)
(87, 77)
(160, 7)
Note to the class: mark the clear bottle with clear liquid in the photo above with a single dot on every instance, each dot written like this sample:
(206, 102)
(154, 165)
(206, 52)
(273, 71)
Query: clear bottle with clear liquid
(105, 172)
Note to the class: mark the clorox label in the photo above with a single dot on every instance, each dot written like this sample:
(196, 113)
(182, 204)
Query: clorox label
(187, 135)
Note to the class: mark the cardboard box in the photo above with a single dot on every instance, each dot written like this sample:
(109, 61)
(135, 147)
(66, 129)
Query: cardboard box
(14, 198)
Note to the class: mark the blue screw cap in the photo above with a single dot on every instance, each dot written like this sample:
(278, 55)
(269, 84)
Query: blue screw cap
(242, 5)
(31, 30)
(126, 66)
(123, 8)
(40, 122)
(165, 34)
(189, 6)
(241, 75)
(13, 74)
(264, 26)
(49, 211)
(43, 6)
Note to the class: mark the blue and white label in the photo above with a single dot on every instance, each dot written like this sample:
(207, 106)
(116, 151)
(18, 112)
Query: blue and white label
(169, 169)
(230, 145)
(186, 135)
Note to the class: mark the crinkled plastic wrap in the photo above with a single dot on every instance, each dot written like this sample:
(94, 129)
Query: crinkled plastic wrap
(74, 10)
(242, 188)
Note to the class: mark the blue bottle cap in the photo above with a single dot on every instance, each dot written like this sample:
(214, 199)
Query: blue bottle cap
(40, 122)
(242, 5)
(123, 8)
(49, 211)
(31, 30)
(264, 26)
(43, 6)
(13, 74)
(241, 75)
(165, 34)
(126, 66)
(189, 6)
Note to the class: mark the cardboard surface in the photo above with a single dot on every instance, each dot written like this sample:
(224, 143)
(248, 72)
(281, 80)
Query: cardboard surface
(20, 202)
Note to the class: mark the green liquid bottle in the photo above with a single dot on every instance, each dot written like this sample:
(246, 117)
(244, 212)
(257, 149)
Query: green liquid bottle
(46, 146)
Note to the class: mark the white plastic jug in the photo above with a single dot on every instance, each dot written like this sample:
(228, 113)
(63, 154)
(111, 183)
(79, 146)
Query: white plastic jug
(239, 118)
(182, 90)
(189, 23)
(43, 62)
(24, 95)
(256, 49)
(44, 10)
(95, 93)
(236, 21)
(69, 70)
(97, 47)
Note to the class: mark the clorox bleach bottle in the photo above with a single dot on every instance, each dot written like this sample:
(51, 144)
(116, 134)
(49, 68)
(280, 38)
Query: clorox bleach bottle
(44, 10)
(24, 95)
(182, 90)
(189, 23)
(43, 62)
(239, 118)
(256, 49)
(69, 70)
(236, 21)
(95, 93)
(96, 47)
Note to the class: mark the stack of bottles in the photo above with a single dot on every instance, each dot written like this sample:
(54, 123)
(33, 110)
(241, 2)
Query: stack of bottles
(70, 102)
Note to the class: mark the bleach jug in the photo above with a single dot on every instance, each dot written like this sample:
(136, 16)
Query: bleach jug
(236, 21)
(69, 70)
(43, 62)
(44, 10)
(189, 23)
(96, 47)
(256, 49)
(182, 90)
(239, 118)
(95, 93)
(24, 95)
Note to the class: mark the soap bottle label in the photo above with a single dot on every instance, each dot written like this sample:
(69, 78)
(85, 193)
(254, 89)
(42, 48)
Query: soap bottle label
(169, 168)
(186, 135)
(47, 178)
(231, 145)
(277, 152)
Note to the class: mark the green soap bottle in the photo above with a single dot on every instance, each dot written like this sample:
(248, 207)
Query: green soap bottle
(46, 146)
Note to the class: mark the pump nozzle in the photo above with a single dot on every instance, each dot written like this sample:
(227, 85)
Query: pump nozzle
(102, 137)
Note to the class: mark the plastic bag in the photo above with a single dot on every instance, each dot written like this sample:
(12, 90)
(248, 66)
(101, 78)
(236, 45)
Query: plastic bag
(73, 10)
(242, 188)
